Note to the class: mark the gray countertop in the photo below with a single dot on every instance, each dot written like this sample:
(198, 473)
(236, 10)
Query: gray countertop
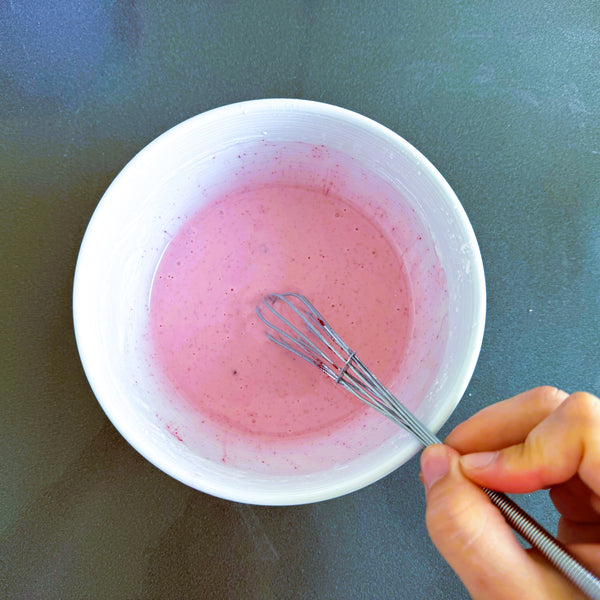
(503, 97)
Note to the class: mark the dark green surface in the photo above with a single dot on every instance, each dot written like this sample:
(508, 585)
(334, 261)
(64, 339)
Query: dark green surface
(503, 97)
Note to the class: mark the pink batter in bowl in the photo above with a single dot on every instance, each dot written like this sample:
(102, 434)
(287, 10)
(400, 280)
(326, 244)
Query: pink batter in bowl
(275, 196)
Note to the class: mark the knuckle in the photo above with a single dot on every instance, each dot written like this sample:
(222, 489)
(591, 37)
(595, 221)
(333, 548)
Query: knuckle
(549, 396)
(584, 407)
(446, 514)
(460, 523)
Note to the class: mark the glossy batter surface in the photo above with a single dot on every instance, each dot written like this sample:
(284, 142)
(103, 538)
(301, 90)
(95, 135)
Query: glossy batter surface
(224, 259)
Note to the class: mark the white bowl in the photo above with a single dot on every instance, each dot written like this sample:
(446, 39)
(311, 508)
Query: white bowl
(199, 159)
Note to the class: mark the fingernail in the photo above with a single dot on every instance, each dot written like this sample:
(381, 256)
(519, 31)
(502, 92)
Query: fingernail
(477, 460)
(435, 464)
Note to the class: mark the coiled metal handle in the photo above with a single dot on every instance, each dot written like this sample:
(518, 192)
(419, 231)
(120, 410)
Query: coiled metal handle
(524, 524)
(306, 333)
(554, 552)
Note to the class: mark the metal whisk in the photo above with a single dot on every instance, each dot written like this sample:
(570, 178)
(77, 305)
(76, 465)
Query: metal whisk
(297, 325)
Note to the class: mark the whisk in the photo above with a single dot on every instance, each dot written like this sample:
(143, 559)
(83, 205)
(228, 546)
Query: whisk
(294, 323)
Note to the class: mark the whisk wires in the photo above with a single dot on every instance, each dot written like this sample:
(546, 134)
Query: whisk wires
(296, 325)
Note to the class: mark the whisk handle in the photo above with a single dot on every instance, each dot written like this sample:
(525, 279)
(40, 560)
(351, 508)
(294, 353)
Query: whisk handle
(524, 524)
(540, 539)
(545, 543)
(309, 343)
(531, 531)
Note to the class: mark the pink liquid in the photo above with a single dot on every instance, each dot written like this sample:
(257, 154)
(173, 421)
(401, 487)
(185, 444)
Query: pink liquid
(213, 349)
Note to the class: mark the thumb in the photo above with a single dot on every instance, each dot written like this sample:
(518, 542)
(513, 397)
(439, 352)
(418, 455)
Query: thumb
(471, 534)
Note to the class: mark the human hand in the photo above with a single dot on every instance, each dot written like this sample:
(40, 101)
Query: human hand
(539, 439)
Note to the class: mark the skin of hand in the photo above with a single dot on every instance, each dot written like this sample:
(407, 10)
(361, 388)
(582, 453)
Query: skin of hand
(540, 439)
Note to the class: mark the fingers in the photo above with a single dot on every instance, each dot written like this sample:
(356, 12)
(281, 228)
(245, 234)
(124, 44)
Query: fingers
(505, 423)
(471, 534)
(565, 443)
(579, 522)
(575, 501)
(571, 532)
(538, 439)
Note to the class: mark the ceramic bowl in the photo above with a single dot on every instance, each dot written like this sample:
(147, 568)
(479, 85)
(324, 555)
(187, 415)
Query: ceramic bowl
(198, 160)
